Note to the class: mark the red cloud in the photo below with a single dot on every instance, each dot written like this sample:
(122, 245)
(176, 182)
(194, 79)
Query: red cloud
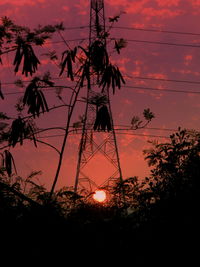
(162, 13)
(157, 75)
(187, 59)
(195, 2)
(21, 2)
(168, 2)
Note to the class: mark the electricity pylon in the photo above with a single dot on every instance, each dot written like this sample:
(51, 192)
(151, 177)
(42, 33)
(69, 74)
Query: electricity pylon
(89, 147)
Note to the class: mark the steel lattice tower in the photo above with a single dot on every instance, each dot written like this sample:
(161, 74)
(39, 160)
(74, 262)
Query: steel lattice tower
(88, 147)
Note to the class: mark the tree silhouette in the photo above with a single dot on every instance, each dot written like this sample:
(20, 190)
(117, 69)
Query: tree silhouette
(175, 164)
(79, 64)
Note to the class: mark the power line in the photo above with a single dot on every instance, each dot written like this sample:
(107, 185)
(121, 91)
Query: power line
(139, 29)
(156, 30)
(126, 129)
(163, 79)
(161, 90)
(132, 40)
(67, 40)
(76, 130)
(50, 42)
(76, 28)
(48, 88)
(162, 43)
(125, 86)
(147, 128)
(129, 128)
(144, 135)
(28, 81)
(126, 76)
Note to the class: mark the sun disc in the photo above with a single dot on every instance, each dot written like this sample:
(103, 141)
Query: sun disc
(99, 195)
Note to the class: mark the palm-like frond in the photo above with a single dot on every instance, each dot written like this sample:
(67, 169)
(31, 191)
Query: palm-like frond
(85, 74)
(8, 162)
(20, 130)
(34, 97)
(3, 116)
(119, 44)
(68, 58)
(26, 52)
(97, 100)
(98, 56)
(111, 77)
(1, 94)
(103, 122)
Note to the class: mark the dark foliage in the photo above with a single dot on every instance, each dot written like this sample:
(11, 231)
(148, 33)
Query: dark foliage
(24, 39)
(20, 130)
(30, 61)
(102, 122)
(1, 93)
(8, 162)
(85, 74)
(97, 63)
(111, 77)
(98, 56)
(3, 116)
(119, 44)
(155, 220)
(176, 165)
(68, 58)
(34, 97)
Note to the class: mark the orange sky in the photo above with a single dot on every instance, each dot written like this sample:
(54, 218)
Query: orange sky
(143, 59)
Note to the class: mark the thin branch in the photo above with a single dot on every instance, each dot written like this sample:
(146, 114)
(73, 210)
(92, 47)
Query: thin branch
(39, 141)
(8, 51)
(139, 127)
(47, 144)
(19, 194)
(56, 86)
(31, 116)
(73, 101)
(49, 129)
(63, 39)
(44, 130)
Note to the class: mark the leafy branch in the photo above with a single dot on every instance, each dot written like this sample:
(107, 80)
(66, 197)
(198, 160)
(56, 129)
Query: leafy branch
(20, 130)
(137, 123)
(22, 39)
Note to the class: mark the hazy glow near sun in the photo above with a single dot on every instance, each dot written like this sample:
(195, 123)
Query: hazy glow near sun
(99, 195)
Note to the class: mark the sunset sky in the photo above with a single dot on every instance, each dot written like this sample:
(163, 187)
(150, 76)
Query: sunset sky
(163, 52)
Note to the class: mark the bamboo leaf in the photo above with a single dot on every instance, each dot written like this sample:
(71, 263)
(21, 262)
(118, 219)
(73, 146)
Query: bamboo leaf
(3, 116)
(69, 68)
(30, 63)
(1, 94)
(63, 64)
(111, 76)
(102, 122)
(67, 62)
(9, 162)
(30, 133)
(46, 108)
(17, 132)
(34, 97)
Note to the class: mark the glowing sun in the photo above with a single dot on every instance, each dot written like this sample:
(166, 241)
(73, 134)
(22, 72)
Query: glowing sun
(99, 195)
